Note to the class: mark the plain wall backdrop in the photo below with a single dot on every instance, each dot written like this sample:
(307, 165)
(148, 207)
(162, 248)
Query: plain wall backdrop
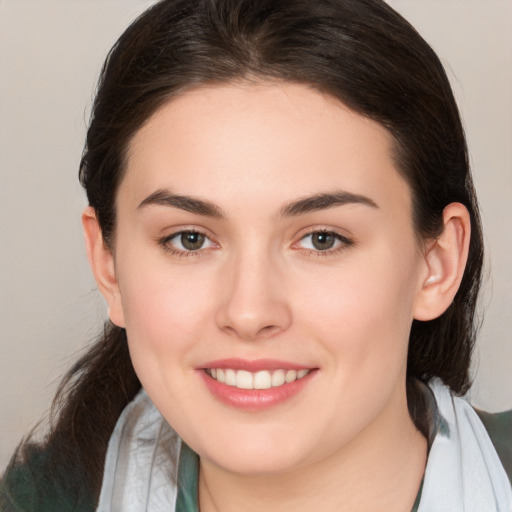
(50, 309)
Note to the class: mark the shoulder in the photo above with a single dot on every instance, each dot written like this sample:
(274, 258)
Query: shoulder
(499, 428)
(36, 482)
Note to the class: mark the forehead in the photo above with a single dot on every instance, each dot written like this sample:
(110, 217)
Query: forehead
(242, 141)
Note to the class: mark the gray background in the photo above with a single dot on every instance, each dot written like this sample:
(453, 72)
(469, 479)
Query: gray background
(51, 54)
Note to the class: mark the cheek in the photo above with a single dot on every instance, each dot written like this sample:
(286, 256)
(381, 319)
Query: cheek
(165, 308)
(363, 311)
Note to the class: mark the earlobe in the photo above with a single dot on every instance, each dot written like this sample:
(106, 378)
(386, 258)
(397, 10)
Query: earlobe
(445, 261)
(101, 261)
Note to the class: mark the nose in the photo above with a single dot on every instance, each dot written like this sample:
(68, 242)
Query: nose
(253, 301)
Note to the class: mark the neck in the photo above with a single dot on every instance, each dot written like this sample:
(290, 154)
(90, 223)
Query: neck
(380, 470)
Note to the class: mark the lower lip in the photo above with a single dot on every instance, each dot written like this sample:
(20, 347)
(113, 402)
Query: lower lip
(255, 399)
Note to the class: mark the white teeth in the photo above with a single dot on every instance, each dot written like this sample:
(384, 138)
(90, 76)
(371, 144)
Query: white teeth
(264, 379)
(278, 378)
(291, 375)
(230, 377)
(244, 379)
(302, 373)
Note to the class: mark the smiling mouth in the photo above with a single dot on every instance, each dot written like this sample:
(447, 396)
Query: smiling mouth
(264, 379)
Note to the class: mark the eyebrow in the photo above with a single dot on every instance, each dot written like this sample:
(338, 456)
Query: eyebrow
(321, 201)
(164, 197)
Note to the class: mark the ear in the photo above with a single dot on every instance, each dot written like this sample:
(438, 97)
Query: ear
(445, 261)
(101, 261)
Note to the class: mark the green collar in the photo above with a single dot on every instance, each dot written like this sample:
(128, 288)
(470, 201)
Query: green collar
(188, 472)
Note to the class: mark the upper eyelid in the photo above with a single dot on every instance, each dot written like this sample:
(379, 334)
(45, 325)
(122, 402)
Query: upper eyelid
(186, 230)
(175, 231)
(337, 235)
(345, 242)
(324, 229)
(165, 239)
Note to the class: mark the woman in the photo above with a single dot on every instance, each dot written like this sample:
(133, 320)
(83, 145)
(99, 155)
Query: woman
(283, 223)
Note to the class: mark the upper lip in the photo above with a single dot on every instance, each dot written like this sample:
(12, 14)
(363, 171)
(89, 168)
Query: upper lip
(255, 365)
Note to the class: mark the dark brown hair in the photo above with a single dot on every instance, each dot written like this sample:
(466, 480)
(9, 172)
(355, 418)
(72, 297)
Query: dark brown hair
(359, 51)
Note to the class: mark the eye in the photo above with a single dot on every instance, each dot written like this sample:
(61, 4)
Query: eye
(187, 241)
(323, 241)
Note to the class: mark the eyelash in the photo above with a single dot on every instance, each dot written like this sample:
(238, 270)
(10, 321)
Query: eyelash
(343, 243)
(168, 247)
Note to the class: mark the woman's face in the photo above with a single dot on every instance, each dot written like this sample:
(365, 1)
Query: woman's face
(264, 233)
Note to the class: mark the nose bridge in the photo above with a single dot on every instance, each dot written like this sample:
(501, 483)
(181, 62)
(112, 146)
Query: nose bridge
(254, 301)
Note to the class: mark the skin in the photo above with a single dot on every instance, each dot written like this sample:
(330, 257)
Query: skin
(258, 288)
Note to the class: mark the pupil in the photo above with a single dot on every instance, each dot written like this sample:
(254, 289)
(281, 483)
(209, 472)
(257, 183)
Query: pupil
(192, 241)
(323, 241)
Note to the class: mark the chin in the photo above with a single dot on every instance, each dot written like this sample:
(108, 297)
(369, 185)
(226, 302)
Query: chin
(254, 464)
(254, 457)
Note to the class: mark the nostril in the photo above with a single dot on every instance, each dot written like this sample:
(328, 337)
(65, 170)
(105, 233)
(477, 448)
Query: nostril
(251, 306)
(249, 334)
